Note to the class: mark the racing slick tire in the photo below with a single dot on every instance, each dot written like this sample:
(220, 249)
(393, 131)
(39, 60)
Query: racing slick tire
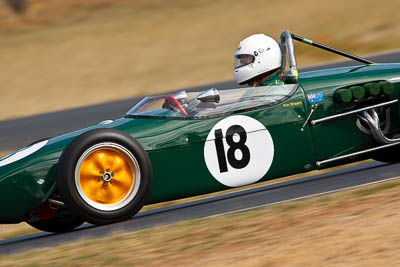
(387, 155)
(104, 176)
(57, 224)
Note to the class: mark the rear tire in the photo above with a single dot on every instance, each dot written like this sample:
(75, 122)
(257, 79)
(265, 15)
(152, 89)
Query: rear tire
(57, 225)
(388, 155)
(104, 176)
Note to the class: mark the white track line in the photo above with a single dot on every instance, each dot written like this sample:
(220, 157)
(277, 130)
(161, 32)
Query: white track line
(303, 197)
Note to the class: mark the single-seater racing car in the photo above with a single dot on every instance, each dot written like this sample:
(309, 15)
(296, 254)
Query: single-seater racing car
(190, 143)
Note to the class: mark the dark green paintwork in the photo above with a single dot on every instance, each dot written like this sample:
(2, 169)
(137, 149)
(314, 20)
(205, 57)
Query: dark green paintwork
(175, 147)
(341, 136)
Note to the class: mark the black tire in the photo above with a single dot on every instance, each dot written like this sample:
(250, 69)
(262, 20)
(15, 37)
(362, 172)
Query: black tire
(57, 224)
(388, 155)
(88, 198)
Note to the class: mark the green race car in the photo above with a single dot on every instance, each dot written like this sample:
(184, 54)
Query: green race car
(184, 144)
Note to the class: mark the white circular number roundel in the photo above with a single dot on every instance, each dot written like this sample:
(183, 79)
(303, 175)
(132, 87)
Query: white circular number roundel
(238, 151)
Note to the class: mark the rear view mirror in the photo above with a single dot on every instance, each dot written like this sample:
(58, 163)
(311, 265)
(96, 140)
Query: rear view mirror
(209, 95)
(181, 96)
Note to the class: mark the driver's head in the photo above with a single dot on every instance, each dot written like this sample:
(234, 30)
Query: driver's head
(256, 56)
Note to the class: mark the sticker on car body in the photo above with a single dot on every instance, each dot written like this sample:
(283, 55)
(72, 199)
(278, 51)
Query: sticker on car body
(315, 97)
(238, 151)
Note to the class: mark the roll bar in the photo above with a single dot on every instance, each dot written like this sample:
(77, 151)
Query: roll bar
(286, 45)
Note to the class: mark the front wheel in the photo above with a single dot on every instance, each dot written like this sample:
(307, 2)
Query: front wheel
(104, 176)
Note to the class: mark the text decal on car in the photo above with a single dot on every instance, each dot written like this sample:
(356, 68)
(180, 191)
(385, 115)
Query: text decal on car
(238, 151)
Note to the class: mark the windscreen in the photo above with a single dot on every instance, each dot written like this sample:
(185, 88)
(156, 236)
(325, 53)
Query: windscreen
(188, 105)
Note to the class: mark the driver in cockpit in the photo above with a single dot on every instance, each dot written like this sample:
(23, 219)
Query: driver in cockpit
(257, 61)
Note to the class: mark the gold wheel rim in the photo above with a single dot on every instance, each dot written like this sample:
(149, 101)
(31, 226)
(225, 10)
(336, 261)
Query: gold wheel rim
(107, 176)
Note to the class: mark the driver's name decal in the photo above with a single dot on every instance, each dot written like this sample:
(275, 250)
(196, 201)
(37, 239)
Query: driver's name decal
(238, 151)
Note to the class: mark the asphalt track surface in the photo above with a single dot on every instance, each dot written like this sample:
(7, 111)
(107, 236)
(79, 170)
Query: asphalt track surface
(47, 125)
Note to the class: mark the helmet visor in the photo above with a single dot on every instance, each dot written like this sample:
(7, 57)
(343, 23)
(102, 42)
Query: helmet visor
(243, 60)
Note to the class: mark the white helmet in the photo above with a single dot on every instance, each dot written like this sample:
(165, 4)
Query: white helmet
(256, 55)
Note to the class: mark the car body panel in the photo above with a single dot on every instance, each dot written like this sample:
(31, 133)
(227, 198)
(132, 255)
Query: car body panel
(339, 137)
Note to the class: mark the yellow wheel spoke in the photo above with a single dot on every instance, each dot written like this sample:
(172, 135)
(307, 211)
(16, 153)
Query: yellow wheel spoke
(111, 195)
(114, 160)
(90, 186)
(122, 167)
(89, 170)
(102, 195)
(121, 186)
(123, 175)
(98, 158)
